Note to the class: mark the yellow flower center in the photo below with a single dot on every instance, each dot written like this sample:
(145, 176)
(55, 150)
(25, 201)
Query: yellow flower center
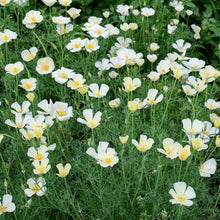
(64, 31)
(39, 156)
(90, 46)
(19, 124)
(122, 44)
(31, 56)
(46, 67)
(187, 91)
(192, 130)
(211, 106)
(151, 101)
(117, 65)
(92, 123)
(20, 111)
(76, 45)
(181, 47)
(63, 75)
(2, 208)
(63, 173)
(182, 156)
(196, 66)
(28, 85)
(15, 70)
(5, 37)
(98, 94)
(147, 13)
(163, 70)
(108, 160)
(62, 113)
(42, 169)
(76, 83)
(98, 31)
(181, 198)
(169, 151)
(206, 132)
(38, 132)
(36, 189)
(33, 19)
(29, 135)
(142, 147)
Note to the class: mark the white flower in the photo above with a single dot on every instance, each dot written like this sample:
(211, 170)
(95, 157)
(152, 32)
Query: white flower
(147, 12)
(125, 26)
(7, 36)
(212, 104)
(131, 84)
(65, 2)
(36, 187)
(62, 111)
(163, 67)
(90, 121)
(61, 20)
(198, 143)
(74, 12)
(154, 76)
(97, 30)
(152, 57)
(123, 42)
(144, 143)
(208, 168)
(91, 45)
(170, 148)
(28, 55)
(64, 29)
(14, 68)
(115, 103)
(182, 195)
(198, 84)
(151, 97)
(96, 92)
(154, 46)
(32, 18)
(49, 2)
(171, 29)
(76, 82)
(75, 45)
(28, 84)
(194, 64)
(179, 45)
(208, 73)
(136, 12)
(106, 14)
(184, 152)
(105, 156)
(192, 128)
(62, 75)
(41, 167)
(4, 2)
(47, 107)
(188, 90)
(195, 28)
(63, 171)
(45, 65)
(20, 122)
(23, 109)
(123, 10)
(7, 205)
(39, 153)
(113, 74)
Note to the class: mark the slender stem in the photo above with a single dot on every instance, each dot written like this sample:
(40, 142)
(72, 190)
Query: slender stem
(40, 43)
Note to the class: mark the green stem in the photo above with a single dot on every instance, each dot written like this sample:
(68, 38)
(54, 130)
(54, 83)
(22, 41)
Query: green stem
(40, 43)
